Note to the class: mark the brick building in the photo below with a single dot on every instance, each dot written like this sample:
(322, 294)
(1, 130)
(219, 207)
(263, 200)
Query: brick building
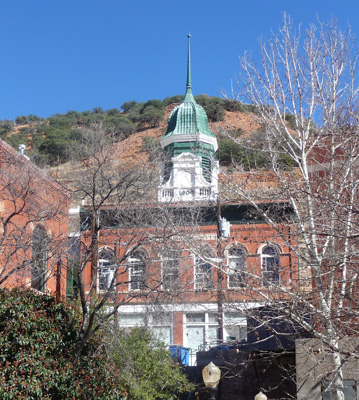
(33, 225)
(194, 286)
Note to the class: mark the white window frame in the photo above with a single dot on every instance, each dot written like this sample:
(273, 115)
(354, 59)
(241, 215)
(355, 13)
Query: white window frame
(137, 270)
(232, 281)
(207, 324)
(203, 269)
(149, 321)
(203, 279)
(105, 267)
(171, 271)
(235, 319)
(270, 276)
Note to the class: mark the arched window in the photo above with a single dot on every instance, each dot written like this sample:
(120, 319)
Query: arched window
(270, 264)
(106, 269)
(170, 269)
(203, 270)
(39, 258)
(236, 267)
(137, 270)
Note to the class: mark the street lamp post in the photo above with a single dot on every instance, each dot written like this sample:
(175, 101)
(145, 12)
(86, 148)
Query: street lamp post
(261, 396)
(211, 376)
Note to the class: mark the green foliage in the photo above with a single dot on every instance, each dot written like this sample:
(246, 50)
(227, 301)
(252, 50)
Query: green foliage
(98, 110)
(94, 118)
(128, 105)
(173, 99)
(21, 120)
(73, 115)
(151, 116)
(231, 105)
(146, 367)
(27, 119)
(150, 113)
(250, 153)
(230, 152)
(214, 107)
(112, 112)
(38, 338)
(48, 140)
(60, 122)
(16, 140)
(121, 126)
(56, 145)
(290, 118)
(6, 126)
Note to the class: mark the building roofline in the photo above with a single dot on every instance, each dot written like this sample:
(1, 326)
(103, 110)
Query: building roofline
(29, 164)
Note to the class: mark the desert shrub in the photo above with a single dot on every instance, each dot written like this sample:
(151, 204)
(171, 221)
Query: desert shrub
(128, 105)
(150, 113)
(120, 125)
(214, 107)
(16, 140)
(6, 126)
(251, 153)
(60, 122)
(232, 105)
(173, 99)
(290, 118)
(112, 112)
(27, 119)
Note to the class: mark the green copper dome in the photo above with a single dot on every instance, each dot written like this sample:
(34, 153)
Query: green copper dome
(188, 129)
(189, 118)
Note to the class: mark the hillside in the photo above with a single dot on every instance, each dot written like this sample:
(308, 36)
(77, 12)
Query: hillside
(137, 130)
(47, 140)
(132, 150)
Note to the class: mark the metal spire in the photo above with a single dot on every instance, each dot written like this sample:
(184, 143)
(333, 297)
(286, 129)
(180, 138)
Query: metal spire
(189, 96)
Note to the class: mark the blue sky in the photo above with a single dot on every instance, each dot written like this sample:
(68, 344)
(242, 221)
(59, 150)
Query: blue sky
(57, 56)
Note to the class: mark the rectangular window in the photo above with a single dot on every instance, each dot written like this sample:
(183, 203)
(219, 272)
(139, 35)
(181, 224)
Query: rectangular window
(203, 275)
(170, 272)
(161, 325)
(201, 331)
(105, 276)
(196, 317)
(106, 270)
(135, 319)
(235, 326)
(270, 262)
(163, 333)
(270, 270)
(236, 268)
(137, 274)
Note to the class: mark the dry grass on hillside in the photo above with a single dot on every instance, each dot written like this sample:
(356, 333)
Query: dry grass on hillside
(130, 151)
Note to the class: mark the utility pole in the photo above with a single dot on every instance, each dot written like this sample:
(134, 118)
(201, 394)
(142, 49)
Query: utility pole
(219, 275)
(223, 231)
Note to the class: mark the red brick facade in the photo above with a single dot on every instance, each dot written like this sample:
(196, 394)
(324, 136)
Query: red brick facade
(198, 290)
(33, 225)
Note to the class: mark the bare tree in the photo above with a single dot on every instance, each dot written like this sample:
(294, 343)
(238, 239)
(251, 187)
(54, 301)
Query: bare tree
(33, 225)
(305, 93)
(126, 238)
